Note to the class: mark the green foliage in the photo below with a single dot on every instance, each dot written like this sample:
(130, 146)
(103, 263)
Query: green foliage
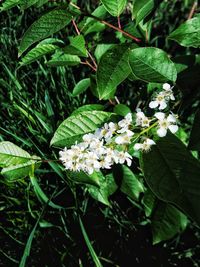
(167, 221)
(151, 64)
(187, 34)
(112, 70)
(194, 142)
(73, 128)
(114, 7)
(172, 173)
(130, 184)
(81, 87)
(45, 26)
(142, 8)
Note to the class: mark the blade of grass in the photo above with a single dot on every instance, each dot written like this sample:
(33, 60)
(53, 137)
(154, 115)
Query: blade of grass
(89, 245)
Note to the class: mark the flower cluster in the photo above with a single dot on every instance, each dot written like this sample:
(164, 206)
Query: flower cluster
(109, 144)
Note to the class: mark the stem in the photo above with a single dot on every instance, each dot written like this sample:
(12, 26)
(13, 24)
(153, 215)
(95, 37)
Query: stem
(107, 24)
(194, 6)
(119, 23)
(146, 130)
(75, 26)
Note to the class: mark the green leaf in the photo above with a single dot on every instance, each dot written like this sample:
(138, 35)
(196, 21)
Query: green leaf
(113, 69)
(20, 171)
(194, 141)
(91, 25)
(10, 154)
(82, 177)
(107, 188)
(89, 107)
(149, 201)
(45, 26)
(142, 8)
(188, 33)
(102, 49)
(152, 65)
(122, 110)
(172, 173)
(8, 4)
(37, 52)
(114, 7)
(167, 221)
(76, 47)
(60, 59)
(130, 185)
(73, 128)
(81, 87)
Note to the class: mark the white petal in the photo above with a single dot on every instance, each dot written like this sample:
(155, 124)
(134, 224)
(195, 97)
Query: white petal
(128, 117)
(153, 104)
(166, 86)
(160, 115)
(119, 140)
(173, 128)
(171, 118)
(129, 133)
(161, 132)
(172, 97)
(150, 142)
(129, 162)
(163, 105)
(137, 146)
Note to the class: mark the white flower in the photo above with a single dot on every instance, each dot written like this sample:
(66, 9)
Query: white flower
(125, 123)
(88, 138)
(165, 123)
(141, 119)
(124, 138)
(97, 146)
(145, 146)
(122, 157)
(108, 130)
(168, 91)
(159, 102)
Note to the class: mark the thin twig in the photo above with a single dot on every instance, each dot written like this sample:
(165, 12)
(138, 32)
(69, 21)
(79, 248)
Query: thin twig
(192, 11)
(119, 22)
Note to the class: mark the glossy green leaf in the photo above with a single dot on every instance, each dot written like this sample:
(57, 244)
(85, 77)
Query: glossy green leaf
(149, 201)
(102, 49)
(60, 59)
(114, 7)
(76, 47)
(20, 171)
(107, 188)
(84, 178)
(10, 154)
(73, 128)
(91, 25)
(167, 221)
(122, 110)
(142, 8)
(37, 52)
(45, 26)
(130, 185)
(152, 65)
(9, 4)
(81, 86)
(188, 33)
(172, 173)
(113, 69)
(89, 107)
(194, 141)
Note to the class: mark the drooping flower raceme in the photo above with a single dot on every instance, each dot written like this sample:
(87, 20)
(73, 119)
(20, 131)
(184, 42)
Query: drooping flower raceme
(110, 144)
(99, 150)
